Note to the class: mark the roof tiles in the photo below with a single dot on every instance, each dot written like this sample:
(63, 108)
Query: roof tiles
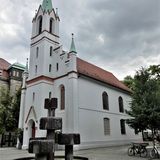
(100, 74)
(4, 64)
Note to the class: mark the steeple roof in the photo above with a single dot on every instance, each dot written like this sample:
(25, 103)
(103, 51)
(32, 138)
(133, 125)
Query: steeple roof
(18, 66)
(73, 48)
(47, 5)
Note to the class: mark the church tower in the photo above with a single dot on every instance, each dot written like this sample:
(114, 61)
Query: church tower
(45, 37)
(42, 66)
(52, 73)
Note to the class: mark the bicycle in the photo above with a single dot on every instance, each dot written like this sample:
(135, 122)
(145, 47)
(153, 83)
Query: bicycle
(138, 149)
(154, 153)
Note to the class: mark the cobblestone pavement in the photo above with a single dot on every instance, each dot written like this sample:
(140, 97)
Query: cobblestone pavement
(111, 153)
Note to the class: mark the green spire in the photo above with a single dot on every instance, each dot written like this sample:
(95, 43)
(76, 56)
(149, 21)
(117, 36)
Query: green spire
(73, 48)
(47, 5)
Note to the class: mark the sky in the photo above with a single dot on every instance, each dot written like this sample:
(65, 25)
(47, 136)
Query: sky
(120, 36)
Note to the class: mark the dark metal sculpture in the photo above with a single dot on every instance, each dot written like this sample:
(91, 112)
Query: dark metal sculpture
(44, 148)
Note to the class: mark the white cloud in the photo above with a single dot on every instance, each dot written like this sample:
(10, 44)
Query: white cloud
(118, 35)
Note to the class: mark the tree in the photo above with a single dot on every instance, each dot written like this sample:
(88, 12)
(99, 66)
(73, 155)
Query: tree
(129, 82)
(145, 104)
(5, 110)
(9, 110)
(155, 71)
(16, 108)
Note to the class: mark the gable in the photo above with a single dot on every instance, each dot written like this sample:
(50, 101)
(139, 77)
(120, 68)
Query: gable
(31, 114)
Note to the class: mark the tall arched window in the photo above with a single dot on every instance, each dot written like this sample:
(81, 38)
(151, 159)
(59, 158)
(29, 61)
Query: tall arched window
(121, 108)
(62, 97)
(51, 25)
(122, 125)
(105, 101)
(39, 24)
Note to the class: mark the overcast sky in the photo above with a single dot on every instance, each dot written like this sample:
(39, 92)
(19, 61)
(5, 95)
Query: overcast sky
(117, 35)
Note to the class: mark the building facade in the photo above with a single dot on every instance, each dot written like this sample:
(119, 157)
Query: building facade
(91, 101)
(11, 76)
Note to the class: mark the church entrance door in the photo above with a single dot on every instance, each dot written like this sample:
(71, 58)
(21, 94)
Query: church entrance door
(31, 129)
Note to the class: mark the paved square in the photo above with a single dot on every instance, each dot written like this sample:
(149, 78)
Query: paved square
(110, 153)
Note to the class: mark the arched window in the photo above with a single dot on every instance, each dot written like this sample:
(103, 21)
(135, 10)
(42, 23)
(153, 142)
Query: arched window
(51, 25)
(122, 125)
(106, 126)
(121, 108)
(62, 97)
(40, 25)
(105, 101)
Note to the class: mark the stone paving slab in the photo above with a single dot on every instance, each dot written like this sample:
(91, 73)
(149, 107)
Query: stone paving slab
(110, 153)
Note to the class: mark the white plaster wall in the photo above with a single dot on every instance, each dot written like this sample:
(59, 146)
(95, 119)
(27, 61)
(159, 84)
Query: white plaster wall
(41, 91)
(67, 116)
(91, 114)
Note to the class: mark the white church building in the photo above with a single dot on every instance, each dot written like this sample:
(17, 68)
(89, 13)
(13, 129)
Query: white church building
(91, 101)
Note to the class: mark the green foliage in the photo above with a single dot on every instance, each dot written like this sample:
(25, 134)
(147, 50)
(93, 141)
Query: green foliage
(9, 110)
(145, 105)
(129, 82)
(16, 108)
(155, 71)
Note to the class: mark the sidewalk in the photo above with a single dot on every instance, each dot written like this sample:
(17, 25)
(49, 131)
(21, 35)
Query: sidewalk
(110, 153)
